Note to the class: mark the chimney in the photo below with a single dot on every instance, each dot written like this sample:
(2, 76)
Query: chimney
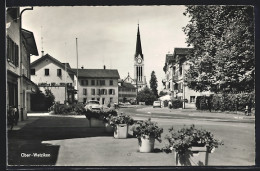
(42, 53)
(82, 67)
(104, 66)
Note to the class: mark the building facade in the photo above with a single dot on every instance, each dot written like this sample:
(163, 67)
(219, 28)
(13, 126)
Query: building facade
(97, 84)
(20, 45)
(49, 73)
(180, 65)
(168, 70)
(126, 92)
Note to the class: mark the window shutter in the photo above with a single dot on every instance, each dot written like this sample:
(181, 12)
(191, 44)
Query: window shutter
(105, 91)
(16, 55)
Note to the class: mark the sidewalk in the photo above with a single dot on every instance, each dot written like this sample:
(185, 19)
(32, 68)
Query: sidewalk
(194, 112)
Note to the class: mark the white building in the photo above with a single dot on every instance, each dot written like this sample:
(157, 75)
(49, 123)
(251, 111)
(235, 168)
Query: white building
(49, 73)
(98, 84)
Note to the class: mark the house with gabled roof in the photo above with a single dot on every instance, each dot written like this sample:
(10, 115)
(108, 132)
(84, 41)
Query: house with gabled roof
(97, 84)
(49, 73)
(127, 92)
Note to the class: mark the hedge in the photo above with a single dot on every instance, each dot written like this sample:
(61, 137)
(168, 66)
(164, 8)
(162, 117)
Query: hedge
(176, 103)
(226, 102)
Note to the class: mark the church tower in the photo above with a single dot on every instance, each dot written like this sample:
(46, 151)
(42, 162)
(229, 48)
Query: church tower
(139, 64)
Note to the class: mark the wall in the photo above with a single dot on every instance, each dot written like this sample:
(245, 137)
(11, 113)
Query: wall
(89, 87)
(40, 77)
(58, 92)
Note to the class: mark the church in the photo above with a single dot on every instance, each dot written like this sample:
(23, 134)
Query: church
(139, 80)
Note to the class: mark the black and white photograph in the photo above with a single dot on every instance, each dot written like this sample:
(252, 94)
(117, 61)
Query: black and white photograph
(131, 86)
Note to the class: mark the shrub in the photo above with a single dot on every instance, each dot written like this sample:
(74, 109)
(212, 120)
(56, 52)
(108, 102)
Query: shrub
(226, 102)
(101, 115)
(148, 128)
(182, 140)
(63, 109)
(176, 103)
(121, 119)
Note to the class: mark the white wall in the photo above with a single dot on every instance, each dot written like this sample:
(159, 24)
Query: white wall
(40, 77)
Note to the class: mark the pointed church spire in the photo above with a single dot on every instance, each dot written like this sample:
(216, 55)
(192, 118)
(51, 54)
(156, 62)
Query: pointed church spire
(138, 50)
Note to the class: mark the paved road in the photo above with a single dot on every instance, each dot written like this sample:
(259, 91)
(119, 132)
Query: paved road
(190, 114)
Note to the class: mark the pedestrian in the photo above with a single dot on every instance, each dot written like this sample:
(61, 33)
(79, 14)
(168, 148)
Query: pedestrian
(209, 104)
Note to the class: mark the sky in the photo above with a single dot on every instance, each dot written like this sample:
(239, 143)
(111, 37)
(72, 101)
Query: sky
(106, 35)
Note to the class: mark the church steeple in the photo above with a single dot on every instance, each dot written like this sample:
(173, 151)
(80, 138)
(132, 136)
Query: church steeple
(138, 50)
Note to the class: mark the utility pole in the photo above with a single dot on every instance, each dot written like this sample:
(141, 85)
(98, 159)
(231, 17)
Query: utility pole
(77, 69)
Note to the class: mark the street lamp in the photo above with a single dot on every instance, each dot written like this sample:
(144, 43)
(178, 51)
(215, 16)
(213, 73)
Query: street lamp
(184, 84)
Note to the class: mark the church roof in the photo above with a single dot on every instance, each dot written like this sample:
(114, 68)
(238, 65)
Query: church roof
(97, 73)
(138, 50)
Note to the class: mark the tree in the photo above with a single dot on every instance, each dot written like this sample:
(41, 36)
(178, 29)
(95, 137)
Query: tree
(162, 93)
(153, 84)
(222, 58)
(146, 95)
(49, 98)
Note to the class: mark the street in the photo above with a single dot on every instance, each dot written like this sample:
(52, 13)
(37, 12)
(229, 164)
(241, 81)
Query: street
(68, 141)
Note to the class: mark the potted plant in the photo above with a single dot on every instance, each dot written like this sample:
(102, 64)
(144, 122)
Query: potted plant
(146, 133)
(191, 146)
(120, 124)
(108, 114)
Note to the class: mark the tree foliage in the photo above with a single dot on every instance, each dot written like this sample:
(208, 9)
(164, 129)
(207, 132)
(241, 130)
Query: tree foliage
(223, 48)
(146, 95)
(154, 84)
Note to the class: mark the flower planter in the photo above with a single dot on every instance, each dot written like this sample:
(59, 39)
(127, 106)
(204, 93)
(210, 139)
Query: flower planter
(109, 128)
(198, 156)
(146, 144)
(121, 131)
(96, 123)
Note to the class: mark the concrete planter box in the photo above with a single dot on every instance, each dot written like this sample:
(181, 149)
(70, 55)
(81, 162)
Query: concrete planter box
(197, 157)
(146, 144)
(96, 123)
(121, 131)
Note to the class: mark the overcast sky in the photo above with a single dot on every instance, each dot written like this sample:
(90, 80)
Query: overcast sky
(107, 35)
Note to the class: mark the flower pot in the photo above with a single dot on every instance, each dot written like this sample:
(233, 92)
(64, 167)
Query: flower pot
(121, 131)
(146, 144)
(96, 123)
(198, 156)
(109, 128)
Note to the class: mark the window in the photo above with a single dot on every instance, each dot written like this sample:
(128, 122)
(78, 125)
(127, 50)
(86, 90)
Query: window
(32, 71)
(92, 82)
(82, 82)
(92, 91)
(84, 91)
(111, 91)
(103, 91)
(84, 100)
(180, 70)
(47, 72)
(192, 99)
(12, 51)
(102, 82)
(59, 72)
(111, 82)
(98, 99)
(111, 99)
(92, 98)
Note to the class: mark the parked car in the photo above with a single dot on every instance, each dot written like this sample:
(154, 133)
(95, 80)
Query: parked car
(93, 105)
(156, 104)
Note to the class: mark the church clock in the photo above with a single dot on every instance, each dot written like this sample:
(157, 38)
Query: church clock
(139, 60)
